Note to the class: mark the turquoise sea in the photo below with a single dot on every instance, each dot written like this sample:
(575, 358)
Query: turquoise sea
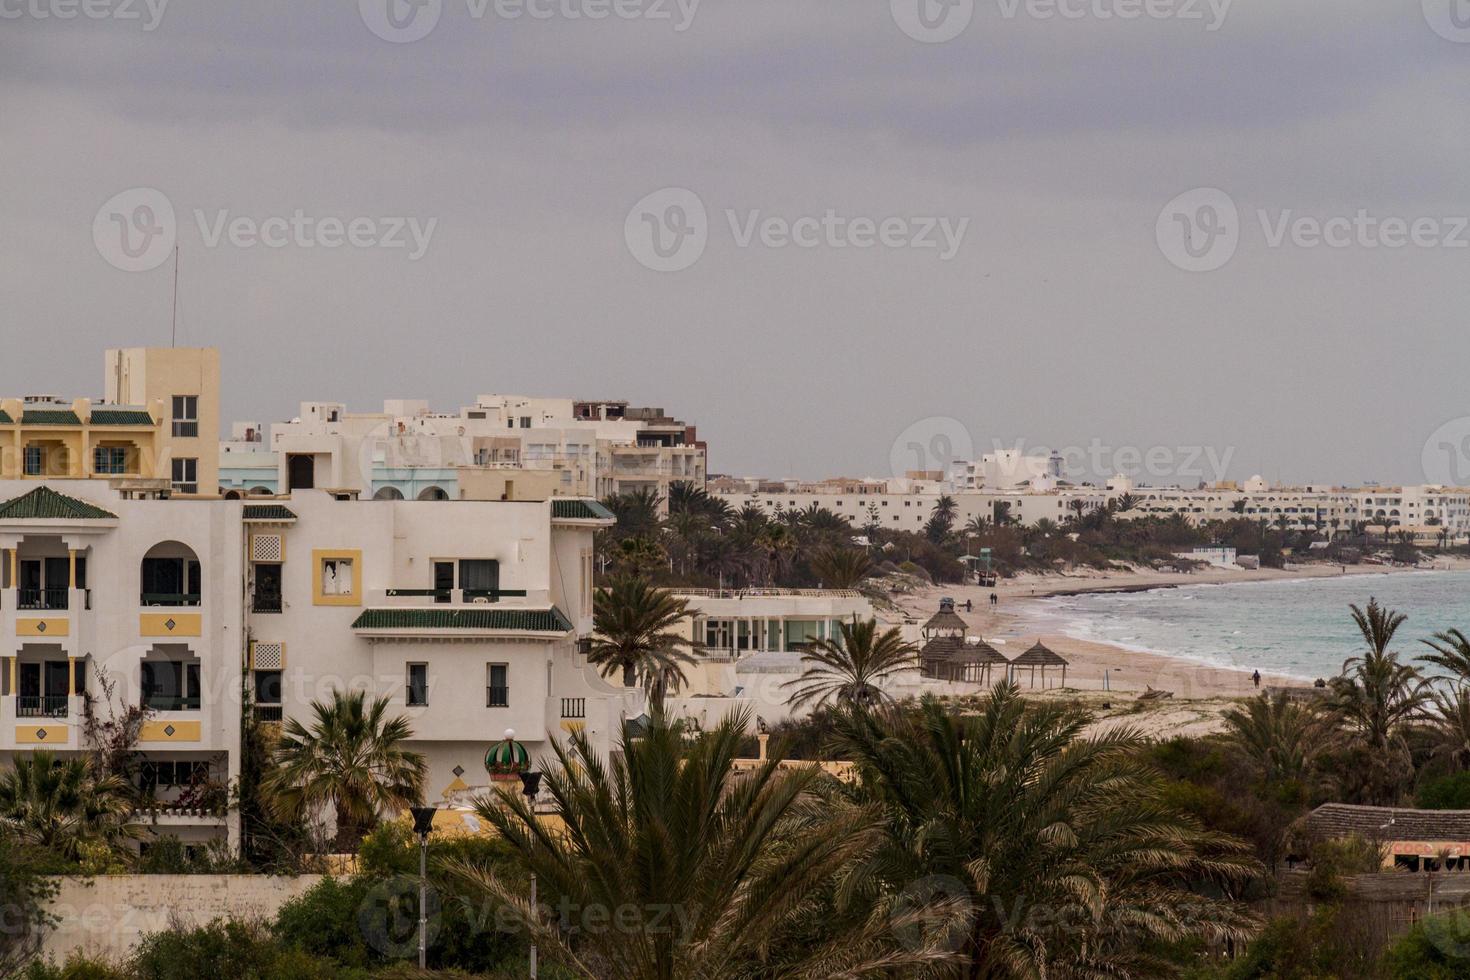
(1298, 627)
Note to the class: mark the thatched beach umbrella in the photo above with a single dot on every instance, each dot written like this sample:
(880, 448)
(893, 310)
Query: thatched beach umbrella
(1040, 655)
(974, 661)
(945, 623)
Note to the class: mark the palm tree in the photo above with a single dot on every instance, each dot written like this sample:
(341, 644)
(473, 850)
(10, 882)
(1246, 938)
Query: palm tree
(1450, 727)
(637, 511)
(1280, 736)
(1014, 810)
(352, 757)
(977, 525)
(637, 634)
(1452, 652)
(851, 668)
(841, 568)
(61, 804)
(667, 824)
(1377, 696)
(1126, 502)
(941, 519)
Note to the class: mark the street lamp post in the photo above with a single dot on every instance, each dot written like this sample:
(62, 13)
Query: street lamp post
(423, 823)
(530, 786)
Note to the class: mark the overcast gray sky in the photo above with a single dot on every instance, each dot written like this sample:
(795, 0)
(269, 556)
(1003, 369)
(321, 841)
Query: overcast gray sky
(1058, 320)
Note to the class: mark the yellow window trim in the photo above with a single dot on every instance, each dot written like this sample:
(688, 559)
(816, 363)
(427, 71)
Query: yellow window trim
(319, 557)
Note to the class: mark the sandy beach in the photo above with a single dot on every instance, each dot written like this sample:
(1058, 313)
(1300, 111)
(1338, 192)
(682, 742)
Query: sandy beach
(1104, 674)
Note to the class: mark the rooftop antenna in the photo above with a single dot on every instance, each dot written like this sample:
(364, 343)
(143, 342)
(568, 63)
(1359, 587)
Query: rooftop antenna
(174, 330)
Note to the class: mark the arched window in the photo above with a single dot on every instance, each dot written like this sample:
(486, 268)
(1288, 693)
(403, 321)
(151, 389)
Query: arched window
(433, 493)
(388, 493)
(171, 576)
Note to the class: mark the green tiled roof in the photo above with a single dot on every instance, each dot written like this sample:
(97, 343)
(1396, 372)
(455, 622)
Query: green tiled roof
(121, 416)
(577, 509)
(268, 512)
(45, 504)
(5, 418)
(517, 620)
(50, 416)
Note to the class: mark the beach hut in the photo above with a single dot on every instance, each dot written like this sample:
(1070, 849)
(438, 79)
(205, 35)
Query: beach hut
(945, 623)
(974, 661)
(937, 657)
(1040, 655)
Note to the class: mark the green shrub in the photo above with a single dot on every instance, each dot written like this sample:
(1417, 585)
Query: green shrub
(76, 967)
(1445, 793)
(1437, 948)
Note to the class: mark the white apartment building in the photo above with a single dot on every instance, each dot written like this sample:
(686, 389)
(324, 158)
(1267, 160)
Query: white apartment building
(540, 447)
(467, 615)
(910, 511)
(1006, 469)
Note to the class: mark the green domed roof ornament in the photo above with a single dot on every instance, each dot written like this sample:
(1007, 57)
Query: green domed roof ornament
(507, 759)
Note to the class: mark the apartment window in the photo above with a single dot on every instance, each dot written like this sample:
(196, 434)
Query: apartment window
(186, 416)
(35, 461)
(110, 460)
(267, 687)
(479, 578)
(525, 421)
(186, 475)
(168, 774)
(170, 685)
(497, 686)
(418, 685)
(337, 576)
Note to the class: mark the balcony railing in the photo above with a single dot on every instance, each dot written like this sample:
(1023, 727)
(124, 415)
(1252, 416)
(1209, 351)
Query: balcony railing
(497, 697)
(269, 712)
(574, 707)
(46, 706)
(265, 603)
(172, 702)
(42, 599)
(170, 599)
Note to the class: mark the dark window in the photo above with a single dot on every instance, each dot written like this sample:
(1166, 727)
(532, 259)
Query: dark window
(186, 416)
(35, 461)
(443, 580)
(170, 685)
(185, 475)
(171, 582)
(497, 693)
(267, 687)
(110, 460)
(300, 473)
(267, 598)
(479, 577)
(418, 684)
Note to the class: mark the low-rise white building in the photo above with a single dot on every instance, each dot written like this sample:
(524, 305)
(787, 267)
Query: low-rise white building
(467, 615)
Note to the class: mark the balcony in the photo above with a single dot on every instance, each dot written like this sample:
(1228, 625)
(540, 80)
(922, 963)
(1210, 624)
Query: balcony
(575, 708)
(263, 603)
(49, 599)
(171, 702)
(170, 599)
(274, 713)
(43, 706)
(497, 697)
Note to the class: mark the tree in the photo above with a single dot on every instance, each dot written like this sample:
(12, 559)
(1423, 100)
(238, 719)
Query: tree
(1449, 727)
(1126, 502)
(1452, 652)
(941, 520)
(841, 568)
(850, 669)
(1377, 697)
(636, 633)
(667, 824)
(354, 758)
(1049, 853)
(62, 804)
(1281, 737)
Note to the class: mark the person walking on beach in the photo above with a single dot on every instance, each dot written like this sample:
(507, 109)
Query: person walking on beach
(1256, 678)
(969, 605)
(994, 601)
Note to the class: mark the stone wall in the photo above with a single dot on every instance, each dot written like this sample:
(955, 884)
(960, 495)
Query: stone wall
(107, 915)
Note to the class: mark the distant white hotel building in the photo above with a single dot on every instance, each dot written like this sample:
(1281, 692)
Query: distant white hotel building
(502, 447)
(467, 615)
